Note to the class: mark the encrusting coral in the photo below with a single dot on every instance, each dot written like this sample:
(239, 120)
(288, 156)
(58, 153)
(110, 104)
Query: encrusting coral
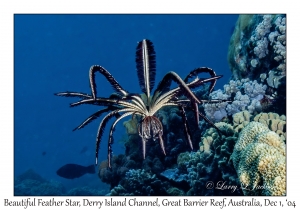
(259, 158)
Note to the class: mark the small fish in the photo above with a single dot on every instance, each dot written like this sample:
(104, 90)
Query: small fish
(71, 171)
(44, 153)
(83, 150)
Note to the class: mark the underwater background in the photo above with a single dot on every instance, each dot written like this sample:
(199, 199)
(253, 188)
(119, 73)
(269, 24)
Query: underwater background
(53, 53)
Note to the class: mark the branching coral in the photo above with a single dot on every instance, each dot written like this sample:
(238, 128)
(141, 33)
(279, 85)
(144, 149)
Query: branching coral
(247, 97)
(210, 163)
(139, 182)
(259, 159)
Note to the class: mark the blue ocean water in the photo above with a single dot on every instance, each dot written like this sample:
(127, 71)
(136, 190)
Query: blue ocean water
(53, 53)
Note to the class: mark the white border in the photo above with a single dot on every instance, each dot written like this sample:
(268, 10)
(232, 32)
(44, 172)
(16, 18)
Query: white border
(8, 8)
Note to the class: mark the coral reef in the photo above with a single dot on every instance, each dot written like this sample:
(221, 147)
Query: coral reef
(274, 122)
(139, 182)
(32, 184)
(174, 176)
(257, 51)
(250, 149)
(259, 159)
(257, 39)
(85, 191)
(245, 95)
(210, 163)
(173, 191)
(120, 165)
(240, 120)
(126, 167)
(131, 125)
